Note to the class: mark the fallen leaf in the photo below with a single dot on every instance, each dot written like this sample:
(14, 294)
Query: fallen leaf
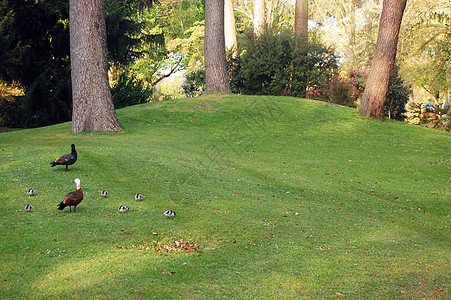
(166, 272)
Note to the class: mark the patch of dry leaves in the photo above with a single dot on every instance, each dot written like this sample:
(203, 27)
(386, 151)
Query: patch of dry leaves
(166, 245)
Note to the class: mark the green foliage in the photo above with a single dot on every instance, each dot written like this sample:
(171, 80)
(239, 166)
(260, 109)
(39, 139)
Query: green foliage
(195, 83)
(347, 86)
(123, 31)
(129, 91)
(10, 112)
(47, 101)
(180, 25)
(176, 17)
(444, 117)
(191, 47)
(128, 35)
(397, 96)
(280, 63)
(33, 38)
(339, 93)
(437, 116)
(427, 53)
(344, 88)
(35, 53)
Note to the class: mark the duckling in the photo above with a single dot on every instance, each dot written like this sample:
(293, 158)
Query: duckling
(28, 207)
(123, 208)
(31, 192)
(104, 194)
(139, 197)
(169, 213)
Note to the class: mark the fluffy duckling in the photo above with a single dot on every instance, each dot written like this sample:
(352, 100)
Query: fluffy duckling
(123, 208)
(28, 207)
(139, 197)
(104, 194)
(169, 213)
(31, 192)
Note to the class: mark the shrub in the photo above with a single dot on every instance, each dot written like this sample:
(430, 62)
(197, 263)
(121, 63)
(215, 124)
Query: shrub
(347, 86)
(10, 89)
(10, 112)
(344, 88)
(195, 83)
(34, 38)
(130, 91)
(436, 115)
(48, 101)
(340, 93)
(279, 63)
(397, 97)
(444, 120)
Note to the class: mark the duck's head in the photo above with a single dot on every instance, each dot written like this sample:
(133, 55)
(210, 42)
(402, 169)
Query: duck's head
(77, 183)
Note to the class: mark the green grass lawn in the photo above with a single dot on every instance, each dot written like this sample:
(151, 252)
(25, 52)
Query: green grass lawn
(275, 197)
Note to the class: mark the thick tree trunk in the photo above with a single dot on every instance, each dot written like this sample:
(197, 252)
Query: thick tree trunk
(93, 108)
(375, 94)
(301, 18)
(231, 43)
(216, 78)
(259, 16)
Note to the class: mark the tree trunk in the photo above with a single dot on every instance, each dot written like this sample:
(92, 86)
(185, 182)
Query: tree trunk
(351, 51)
(216, 78)
(375, 94)
(301, 18)
(231, 43)
(93, 108)
(447, 122)
(259, 16)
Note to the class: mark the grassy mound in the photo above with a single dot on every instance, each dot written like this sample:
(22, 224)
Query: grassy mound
(275, 197)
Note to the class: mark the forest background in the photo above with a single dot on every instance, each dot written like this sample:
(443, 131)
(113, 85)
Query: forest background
(148, 42)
